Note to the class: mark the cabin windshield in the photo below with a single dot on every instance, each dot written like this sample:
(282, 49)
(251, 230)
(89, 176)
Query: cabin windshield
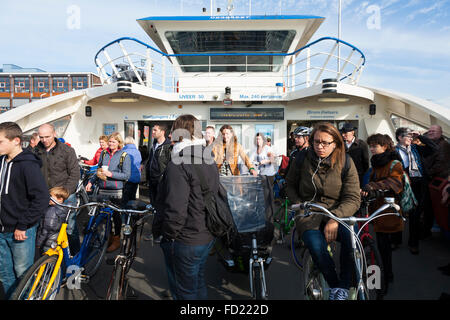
(206, 42)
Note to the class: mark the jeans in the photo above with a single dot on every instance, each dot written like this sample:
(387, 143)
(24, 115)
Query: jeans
(15, 258)
(317, 246)
(186, 269)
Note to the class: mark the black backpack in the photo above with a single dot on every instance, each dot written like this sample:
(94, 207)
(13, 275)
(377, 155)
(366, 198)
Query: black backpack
(219, 219)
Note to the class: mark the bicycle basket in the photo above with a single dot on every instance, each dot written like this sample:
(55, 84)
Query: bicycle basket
(251, 201)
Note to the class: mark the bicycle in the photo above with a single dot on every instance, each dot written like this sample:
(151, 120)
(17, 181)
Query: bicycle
(282, 222)
(57, 267)
(316, 287)
(135, 217)
(250, 249)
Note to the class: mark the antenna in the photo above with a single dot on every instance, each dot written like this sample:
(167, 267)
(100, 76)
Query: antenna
(230, 7)
(339, 37)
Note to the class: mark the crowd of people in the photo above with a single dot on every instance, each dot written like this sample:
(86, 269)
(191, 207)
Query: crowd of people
(328, 166)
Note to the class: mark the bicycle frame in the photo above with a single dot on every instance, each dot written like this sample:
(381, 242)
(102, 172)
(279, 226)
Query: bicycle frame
(284, 224)
(61, 249)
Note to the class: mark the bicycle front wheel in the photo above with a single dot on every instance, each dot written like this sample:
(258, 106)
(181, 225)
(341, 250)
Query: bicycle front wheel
(36, 280)
(259, 291)
(97, 243)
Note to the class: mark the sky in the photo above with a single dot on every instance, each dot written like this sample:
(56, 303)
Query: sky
(406, 42)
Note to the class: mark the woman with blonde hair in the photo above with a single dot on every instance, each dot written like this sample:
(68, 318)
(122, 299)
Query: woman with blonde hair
(227, 153)
(328, 177)
(114, 170)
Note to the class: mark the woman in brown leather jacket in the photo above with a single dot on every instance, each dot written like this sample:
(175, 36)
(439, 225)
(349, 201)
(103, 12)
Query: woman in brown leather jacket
(386, 175)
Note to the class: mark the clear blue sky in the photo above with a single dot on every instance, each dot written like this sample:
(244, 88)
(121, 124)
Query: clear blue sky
(406, 42)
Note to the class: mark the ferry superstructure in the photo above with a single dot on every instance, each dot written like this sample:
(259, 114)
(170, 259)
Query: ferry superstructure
(257, 73)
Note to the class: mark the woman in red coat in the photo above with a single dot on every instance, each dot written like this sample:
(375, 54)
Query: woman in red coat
(103, 140)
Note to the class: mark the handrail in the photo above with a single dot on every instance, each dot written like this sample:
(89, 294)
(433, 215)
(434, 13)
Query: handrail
(229, 53)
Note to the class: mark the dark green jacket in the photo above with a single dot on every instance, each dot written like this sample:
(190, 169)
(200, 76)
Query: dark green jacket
(340, 196)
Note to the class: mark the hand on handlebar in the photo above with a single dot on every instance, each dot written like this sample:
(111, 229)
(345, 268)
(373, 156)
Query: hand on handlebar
(331, 230)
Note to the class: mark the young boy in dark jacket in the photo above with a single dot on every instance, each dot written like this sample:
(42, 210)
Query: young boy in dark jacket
(24, 198)
(54, 217)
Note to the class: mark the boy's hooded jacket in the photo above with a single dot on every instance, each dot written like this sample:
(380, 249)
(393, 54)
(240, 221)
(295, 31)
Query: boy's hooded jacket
(24, 195)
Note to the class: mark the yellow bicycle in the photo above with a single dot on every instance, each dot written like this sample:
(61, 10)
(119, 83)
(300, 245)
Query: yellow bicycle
(57, 266)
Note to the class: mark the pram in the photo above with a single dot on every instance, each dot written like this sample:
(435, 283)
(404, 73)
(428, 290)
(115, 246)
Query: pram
(251, 203)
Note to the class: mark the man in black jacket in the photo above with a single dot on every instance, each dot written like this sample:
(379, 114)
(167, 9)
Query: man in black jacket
(24, 198)
(158, 159)
(357, 149)
(60, 169)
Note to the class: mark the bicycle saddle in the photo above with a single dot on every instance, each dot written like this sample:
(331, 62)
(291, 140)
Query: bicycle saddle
(136, 205)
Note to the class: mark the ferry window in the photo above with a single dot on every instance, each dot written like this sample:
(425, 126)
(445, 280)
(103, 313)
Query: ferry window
(400, 122)
(60, 125)
(269, 41)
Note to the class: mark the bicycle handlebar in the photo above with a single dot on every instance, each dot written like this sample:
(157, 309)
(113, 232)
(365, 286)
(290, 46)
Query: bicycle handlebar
(148, 208)
(352, 219)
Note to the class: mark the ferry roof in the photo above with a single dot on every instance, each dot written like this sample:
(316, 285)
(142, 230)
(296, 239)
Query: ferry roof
(158, 28)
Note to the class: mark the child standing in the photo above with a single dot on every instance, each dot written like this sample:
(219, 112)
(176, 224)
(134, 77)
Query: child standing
(54, 217)
(24, 198)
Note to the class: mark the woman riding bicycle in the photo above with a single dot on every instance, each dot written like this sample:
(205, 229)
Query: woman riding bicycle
(329, 178)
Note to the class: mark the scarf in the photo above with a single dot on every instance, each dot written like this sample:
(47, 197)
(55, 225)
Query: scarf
(413, 165)
(382, 159)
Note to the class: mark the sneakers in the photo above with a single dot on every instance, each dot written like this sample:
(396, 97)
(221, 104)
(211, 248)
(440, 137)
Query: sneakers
(338, 294)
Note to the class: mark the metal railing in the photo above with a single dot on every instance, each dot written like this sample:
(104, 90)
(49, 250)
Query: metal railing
(305, 67)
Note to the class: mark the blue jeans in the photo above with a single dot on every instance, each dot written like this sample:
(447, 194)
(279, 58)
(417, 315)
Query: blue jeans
(15, 258)
(317, 246)
(185, 266)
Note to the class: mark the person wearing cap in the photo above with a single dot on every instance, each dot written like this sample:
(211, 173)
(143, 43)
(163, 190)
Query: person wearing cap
(357, 149)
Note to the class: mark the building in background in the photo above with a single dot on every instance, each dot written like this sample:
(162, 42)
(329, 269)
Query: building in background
(19, 85)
